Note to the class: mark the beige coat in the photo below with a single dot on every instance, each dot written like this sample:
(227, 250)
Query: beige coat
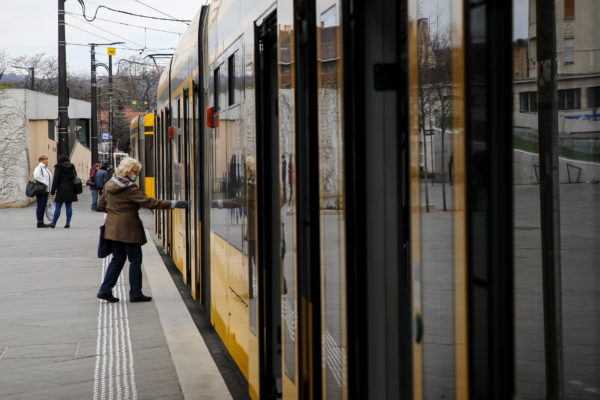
(122, 199)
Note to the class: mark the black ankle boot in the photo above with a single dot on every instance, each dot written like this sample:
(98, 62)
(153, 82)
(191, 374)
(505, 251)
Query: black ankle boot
(67, 225)
(41, 225)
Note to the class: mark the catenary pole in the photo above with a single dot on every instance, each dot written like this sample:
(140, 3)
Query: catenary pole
(93, 99)
(549, 197)
(63, 93)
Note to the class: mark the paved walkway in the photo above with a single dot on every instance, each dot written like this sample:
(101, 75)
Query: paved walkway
(57, 341)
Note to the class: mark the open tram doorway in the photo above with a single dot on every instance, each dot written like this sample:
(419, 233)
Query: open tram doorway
(268, 216)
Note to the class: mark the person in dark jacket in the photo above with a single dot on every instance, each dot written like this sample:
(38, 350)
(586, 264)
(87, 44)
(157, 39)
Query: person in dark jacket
(93, 188)
(63, 187)
(101, 178)
(121, 199)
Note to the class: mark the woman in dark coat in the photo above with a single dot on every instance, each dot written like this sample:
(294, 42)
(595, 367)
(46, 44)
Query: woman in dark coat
(63, 186)
(121, 199)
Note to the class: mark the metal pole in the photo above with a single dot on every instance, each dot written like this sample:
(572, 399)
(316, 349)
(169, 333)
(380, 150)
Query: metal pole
(32, 78)
(549, 196)
(63, 94)
(94, 144)
(110, 109)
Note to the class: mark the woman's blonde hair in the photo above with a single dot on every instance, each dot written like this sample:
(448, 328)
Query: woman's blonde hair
(126, 166)
(42, 157)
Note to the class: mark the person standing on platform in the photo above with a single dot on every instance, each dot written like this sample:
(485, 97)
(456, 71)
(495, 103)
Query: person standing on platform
(63, 186)
(43, 175)
(101, 178)
(93, 188)
(121, 199)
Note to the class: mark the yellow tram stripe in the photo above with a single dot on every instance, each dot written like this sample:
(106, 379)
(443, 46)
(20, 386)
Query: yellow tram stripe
(460, 223)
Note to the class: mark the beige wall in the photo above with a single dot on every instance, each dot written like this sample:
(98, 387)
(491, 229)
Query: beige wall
(81, 157)
(40, 144)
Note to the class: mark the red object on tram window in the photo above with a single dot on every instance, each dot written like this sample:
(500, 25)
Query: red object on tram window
(172, 132)
(131, 150)
(212, 117)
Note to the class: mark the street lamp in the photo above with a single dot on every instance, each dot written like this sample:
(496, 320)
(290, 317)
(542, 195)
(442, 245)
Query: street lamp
(94, 100)
(31, 71)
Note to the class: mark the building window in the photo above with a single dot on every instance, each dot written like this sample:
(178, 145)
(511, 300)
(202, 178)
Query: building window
(594, 97)
(528, 101)
(51, 130)
(569, 99)
(569, 9)
(569, 56)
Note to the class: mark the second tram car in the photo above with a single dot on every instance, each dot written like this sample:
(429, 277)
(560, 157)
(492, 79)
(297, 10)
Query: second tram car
(141, 146)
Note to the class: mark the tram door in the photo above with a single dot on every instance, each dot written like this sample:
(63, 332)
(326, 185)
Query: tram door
(269, 221)
(188, 221)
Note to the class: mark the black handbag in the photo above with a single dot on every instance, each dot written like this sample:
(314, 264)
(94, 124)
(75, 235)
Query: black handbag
(90, 182)
(104, 245)
(144, 239)
(35, 187)
(78, 185)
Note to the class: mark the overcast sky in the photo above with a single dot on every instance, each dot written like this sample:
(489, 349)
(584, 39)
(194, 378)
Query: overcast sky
(30, 27)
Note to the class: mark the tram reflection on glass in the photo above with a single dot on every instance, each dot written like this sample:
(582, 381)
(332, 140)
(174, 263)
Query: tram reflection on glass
(375, 189)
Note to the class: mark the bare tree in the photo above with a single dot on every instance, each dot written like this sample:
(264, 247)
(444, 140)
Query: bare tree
(435, 77)
(45, 69)
(138, 82)
(4, 62)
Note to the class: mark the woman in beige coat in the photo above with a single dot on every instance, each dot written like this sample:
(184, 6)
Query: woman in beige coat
(121, 199)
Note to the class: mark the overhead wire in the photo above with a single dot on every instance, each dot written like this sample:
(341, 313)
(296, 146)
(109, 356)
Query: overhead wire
(107, 31)
(152, 8)
(185, 21)
(126, 24)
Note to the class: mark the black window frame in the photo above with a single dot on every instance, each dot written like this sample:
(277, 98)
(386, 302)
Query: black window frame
(528, 102)
(566, 102)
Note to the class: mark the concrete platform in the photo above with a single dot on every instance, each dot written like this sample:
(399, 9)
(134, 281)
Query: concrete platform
(58, 341)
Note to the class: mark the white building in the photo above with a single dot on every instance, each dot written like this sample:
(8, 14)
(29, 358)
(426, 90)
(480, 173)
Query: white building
(28, 129)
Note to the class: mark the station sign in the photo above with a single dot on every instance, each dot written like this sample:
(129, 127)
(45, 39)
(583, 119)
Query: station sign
(112, 51)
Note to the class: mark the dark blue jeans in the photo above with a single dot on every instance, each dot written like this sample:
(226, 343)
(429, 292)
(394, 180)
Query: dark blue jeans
(121, 251)
(57, 212)
(94, 198)
(42, 200)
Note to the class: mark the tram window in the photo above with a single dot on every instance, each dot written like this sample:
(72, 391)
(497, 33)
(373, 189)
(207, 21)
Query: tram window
(178, 112)
(231, 79)
(216, 89)
(569, 99)
(574, 226)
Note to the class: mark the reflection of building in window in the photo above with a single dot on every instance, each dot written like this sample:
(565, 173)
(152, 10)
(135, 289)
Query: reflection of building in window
(578, 67)
(594, 97)
(520, 63)
(568, 56)
(569, 9)
(528, 102)
(569, 99)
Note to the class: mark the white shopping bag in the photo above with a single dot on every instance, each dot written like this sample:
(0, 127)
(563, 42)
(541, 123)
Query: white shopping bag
(49, 209)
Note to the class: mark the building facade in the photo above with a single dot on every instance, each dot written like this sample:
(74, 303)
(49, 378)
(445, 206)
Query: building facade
(28, 129)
